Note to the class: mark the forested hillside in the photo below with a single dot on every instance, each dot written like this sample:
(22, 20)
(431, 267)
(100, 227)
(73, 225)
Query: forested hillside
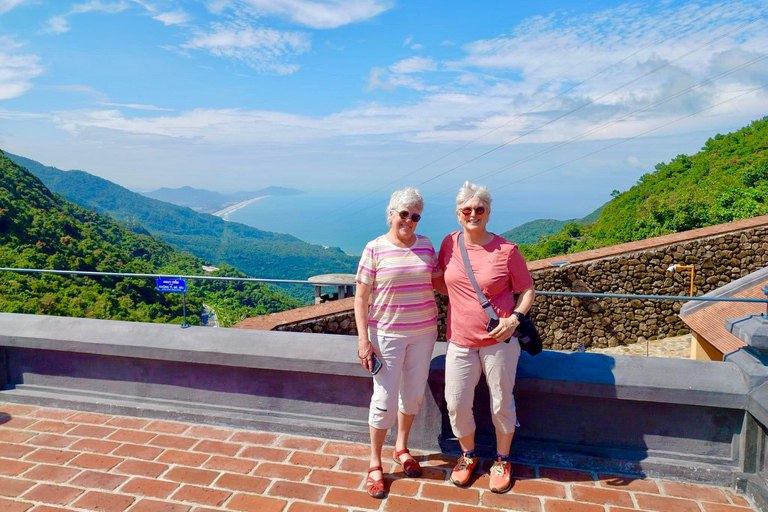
(39, 229)
(258, 253)
(727, 180)
(533, 231)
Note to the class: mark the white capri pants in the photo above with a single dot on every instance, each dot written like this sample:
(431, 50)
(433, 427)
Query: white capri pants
(463, 367)
(400, 383)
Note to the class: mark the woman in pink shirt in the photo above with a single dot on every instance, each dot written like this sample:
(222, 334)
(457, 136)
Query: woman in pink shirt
(501, 272)
(396, 318)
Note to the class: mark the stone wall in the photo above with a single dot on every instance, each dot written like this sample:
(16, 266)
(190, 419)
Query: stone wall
(342, 323)
(565, 323)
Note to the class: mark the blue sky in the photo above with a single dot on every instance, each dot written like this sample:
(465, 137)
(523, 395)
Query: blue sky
(348, 96)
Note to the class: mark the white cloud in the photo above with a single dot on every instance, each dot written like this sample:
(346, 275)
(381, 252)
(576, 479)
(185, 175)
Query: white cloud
(7, 5)
(60, 23)
(135, 106)
(320, 14)
(417, 46)
(414, 65)
(408, 40)
(263, 49)
(380, 78)
(16, 70)
(447, 43)
(56, 25)
(172, 18)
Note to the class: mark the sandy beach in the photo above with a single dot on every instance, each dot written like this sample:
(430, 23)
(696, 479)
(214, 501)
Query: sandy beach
(224, 214)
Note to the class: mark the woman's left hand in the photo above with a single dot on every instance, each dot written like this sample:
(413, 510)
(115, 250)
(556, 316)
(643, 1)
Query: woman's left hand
(505, 329)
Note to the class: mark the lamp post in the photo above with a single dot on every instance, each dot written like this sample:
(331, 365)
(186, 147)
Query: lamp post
(675, 267)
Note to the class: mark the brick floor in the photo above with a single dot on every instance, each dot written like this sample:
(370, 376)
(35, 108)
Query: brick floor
(61, 460)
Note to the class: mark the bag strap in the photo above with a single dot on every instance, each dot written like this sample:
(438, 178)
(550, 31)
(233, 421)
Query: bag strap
(484, 302)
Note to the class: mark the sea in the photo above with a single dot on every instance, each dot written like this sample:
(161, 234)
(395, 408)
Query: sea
(349, 221)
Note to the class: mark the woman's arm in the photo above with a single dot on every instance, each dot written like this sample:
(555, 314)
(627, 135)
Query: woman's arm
(507, 326)
(364, 347)
(438, 283)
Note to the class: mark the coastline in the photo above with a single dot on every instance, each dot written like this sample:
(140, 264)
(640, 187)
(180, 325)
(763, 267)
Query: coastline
(224, 213)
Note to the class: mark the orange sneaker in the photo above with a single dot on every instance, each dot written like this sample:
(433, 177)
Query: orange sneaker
(463, 470)
(501, 476)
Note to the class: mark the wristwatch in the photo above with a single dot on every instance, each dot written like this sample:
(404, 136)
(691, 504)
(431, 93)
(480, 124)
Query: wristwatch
(519, 315)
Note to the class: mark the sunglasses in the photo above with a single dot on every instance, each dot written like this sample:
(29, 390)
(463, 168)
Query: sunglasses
(415, 217)
(480, 210)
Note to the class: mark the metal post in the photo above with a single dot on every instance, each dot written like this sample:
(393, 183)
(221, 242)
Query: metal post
(184, 325)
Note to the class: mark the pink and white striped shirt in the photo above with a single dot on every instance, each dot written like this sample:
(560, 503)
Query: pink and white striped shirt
(402, 297)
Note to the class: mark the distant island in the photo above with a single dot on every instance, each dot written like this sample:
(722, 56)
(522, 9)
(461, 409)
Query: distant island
(216, 203)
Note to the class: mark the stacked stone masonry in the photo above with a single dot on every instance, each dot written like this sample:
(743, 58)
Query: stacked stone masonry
(565, 323)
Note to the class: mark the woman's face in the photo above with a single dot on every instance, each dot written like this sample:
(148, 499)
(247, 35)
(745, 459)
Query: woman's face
(473, 214)
(405, 227)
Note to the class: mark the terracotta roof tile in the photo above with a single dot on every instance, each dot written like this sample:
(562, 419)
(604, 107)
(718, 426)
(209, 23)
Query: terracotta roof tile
(273, 320)
(709, 322)
(651, 243)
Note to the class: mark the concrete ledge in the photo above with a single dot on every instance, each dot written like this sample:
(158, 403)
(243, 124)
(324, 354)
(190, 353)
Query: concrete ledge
(672, 418)
(287, 351)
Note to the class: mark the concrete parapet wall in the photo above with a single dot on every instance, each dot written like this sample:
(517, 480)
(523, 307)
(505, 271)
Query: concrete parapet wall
(670, 418)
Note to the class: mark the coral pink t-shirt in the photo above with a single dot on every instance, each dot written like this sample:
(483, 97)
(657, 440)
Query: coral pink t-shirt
(499, 269)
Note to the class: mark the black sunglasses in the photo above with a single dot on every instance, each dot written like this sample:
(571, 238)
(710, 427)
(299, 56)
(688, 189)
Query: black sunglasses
(415, 217)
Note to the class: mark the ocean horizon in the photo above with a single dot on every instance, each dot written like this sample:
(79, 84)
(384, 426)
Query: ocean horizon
(337, 220)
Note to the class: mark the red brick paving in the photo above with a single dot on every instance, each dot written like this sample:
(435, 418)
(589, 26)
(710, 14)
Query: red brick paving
(55, 460)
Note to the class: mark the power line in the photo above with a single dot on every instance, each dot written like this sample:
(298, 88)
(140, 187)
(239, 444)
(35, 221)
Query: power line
(644, 75)
(750, 91)
(675, 33)
(671, 97)
(590, 102)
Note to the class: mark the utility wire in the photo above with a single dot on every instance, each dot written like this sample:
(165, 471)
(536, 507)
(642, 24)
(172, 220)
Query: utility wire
(559, 145)
(644, 75)
(750, 91)
(590, 102)
(383, 187)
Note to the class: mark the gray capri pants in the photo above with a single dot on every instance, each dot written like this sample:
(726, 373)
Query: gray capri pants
(463, 367)
(400, 384)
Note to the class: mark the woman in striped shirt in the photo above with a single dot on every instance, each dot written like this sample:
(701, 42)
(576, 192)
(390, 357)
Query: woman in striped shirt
(395, 275)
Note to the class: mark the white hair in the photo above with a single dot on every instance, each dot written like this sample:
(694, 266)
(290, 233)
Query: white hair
(404, 198)
(469, 190)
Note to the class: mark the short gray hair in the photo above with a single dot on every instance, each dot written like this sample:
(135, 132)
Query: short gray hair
(469, 190)
(406, 197)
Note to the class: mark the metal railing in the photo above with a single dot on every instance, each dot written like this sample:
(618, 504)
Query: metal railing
(352, 283)
(89, 273)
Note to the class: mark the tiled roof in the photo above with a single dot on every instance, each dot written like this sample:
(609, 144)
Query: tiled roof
(56, 460)
(709, 321)
(273, 320)
(651, 243)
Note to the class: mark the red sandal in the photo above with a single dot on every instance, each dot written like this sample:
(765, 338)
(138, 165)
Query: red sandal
(411, 467)
(375, 487)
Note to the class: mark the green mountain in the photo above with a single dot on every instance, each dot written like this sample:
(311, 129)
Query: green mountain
(727, 180)
(256, 252)
(531, 232)
(39, 229)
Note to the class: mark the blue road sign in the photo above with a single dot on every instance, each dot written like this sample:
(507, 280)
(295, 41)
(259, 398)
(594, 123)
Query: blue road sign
(171, 285)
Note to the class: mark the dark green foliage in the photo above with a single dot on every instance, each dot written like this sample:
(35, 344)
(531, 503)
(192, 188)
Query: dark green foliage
(533, 231)
(727, 180)
(258, 253)
(41, 230)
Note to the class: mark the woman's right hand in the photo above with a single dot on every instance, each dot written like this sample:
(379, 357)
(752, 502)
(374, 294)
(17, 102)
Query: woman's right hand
(365, 353)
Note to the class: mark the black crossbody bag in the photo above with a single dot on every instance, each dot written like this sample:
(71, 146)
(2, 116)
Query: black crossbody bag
(526, 333)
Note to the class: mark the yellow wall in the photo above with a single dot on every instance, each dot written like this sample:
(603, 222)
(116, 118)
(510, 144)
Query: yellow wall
(702, 350)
